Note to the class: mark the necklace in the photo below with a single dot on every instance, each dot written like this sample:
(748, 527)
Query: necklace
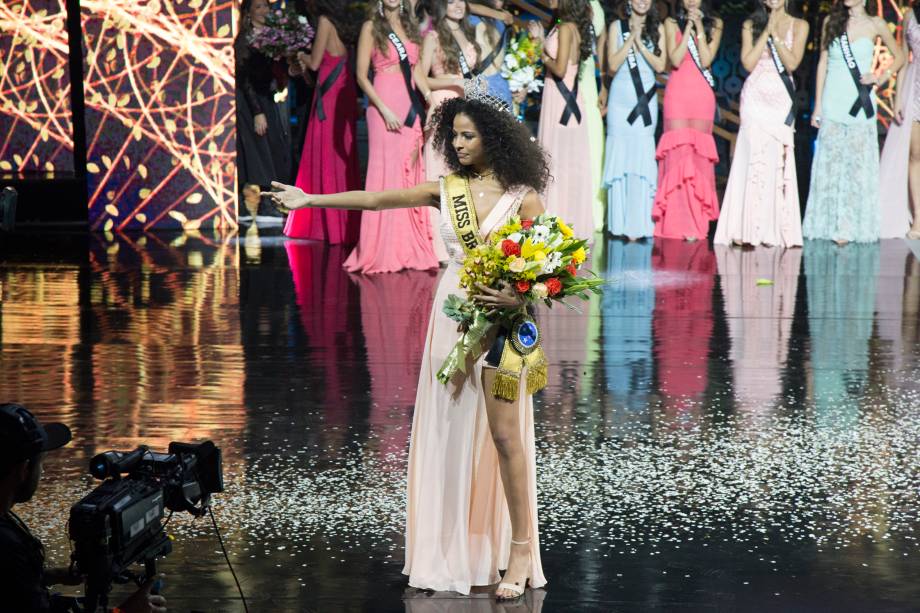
(481, 177)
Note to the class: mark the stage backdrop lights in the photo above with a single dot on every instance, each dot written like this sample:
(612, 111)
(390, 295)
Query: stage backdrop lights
(36, 133)
(160, 114)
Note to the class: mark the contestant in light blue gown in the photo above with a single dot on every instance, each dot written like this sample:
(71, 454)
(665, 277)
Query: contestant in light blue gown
(498, 85)
(631, 170)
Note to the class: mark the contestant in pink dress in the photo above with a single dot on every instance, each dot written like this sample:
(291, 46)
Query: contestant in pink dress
(563, 128)
(329, 161)
(761, 202)
(395, 239)
(687, 200)
(449, 55)
(899, 172)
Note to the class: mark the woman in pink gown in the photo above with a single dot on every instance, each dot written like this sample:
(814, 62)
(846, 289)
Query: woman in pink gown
(329, 161)
(761, 202)
(687, 200)
(392, 240)
(449, 55)
(472, 502)
(563, 128)
(899, 172)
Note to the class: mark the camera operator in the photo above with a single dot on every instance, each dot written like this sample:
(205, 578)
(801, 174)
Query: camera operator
(24, 580)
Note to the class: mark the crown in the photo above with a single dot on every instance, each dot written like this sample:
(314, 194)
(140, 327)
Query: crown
(477, 89)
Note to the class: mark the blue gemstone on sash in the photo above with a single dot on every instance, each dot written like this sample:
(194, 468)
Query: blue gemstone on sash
(527, 334)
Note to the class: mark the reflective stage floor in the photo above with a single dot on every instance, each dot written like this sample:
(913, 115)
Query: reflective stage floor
(724, 430)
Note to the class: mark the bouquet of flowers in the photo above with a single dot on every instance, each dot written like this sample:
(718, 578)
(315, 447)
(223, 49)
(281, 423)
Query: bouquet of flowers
(521, 66)
(541, 259)
(284, 34)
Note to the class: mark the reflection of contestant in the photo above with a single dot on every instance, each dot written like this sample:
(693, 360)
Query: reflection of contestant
(761, 203)
(329, 162)
(843, 197)
(759, 318)
(389, 43)
(687, 200)
(467, 446)
(899, 178)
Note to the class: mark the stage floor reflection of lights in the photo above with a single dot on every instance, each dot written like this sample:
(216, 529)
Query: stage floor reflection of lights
(725, 429)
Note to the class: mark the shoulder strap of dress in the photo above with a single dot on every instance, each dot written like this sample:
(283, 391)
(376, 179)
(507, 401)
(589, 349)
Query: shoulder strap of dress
(507, 205)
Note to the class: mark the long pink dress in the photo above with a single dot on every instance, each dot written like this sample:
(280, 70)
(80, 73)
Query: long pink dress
(686, 200)
(435, 166)
(400, 238)
(894, 198)
(329, 163)
(761, 202)
(570, 193)
(458, 530)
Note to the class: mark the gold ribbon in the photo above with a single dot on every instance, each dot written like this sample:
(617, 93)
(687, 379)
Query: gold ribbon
(515, 356)
(462, 212)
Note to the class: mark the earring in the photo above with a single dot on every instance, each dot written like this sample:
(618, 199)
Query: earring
(380, 7)
(629, 9)
(402, 7)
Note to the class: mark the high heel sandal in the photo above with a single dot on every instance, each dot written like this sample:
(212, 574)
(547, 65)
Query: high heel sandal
(515, 588)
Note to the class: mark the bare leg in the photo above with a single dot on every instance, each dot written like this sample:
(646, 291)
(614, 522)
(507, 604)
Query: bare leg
(505, 426)
(913, 175)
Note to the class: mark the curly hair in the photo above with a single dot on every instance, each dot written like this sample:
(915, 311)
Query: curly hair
(381, 26)
(650, 33)
(709, 17)
(578, 12)
(342, 15)
(450, 50)
(515, 157)
(837, 21)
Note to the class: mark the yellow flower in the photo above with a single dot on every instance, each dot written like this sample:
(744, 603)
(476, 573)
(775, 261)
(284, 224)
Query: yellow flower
(566, 231)
(539, 256)
(528, 249)
(579, 255)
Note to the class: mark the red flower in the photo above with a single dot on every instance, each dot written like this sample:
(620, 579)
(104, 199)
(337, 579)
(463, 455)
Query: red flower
(553, 286)
(510, 248)
(572, 270)
(527, 224)
(522, 286)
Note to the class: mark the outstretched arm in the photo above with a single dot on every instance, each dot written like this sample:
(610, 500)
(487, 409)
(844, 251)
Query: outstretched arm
(293, 198)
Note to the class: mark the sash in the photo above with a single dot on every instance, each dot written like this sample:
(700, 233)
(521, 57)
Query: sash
(519, 339)
(462, 212)
(785, 77)
(416, 108)
(695, 56)
(499, 48)
(864, 101)
(464, 65)
(570, 97)
(325, 86)
(643, 97)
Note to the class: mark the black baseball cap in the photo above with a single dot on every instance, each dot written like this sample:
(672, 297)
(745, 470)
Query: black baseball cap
(22, 435)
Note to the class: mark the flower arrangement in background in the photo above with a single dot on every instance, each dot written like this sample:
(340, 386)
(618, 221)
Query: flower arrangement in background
(284, 34)
(522, 66)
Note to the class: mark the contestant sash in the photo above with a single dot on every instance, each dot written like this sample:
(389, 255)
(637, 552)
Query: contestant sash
(643, 97)
(864, 101)
(499, 48)
(570, 97)
(462, 212)
(464, 65)
(695, 56)
(325, 86)
(416, 108)
(785, 77)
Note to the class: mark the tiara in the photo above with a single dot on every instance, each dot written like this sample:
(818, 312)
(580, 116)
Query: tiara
(477, 89)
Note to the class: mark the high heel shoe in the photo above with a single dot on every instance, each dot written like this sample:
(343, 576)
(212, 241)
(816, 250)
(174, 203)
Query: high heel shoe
(515, 588)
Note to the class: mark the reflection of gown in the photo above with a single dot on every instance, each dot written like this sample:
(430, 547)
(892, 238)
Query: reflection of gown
(841, 284)
(394, 311)
(759, 317)
(683, 315)
(894, 257)
(627, 306)
(458, 530)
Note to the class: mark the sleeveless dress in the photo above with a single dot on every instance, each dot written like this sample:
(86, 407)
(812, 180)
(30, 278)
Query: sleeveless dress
(400, 238)
(761, 201)
(435, 166)
(498, 85)
(588, 86)
(843, 197)
(329, 163)
(686, 200)
(570, 192)
(458, 530)
(631, 170)
(894, 198)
